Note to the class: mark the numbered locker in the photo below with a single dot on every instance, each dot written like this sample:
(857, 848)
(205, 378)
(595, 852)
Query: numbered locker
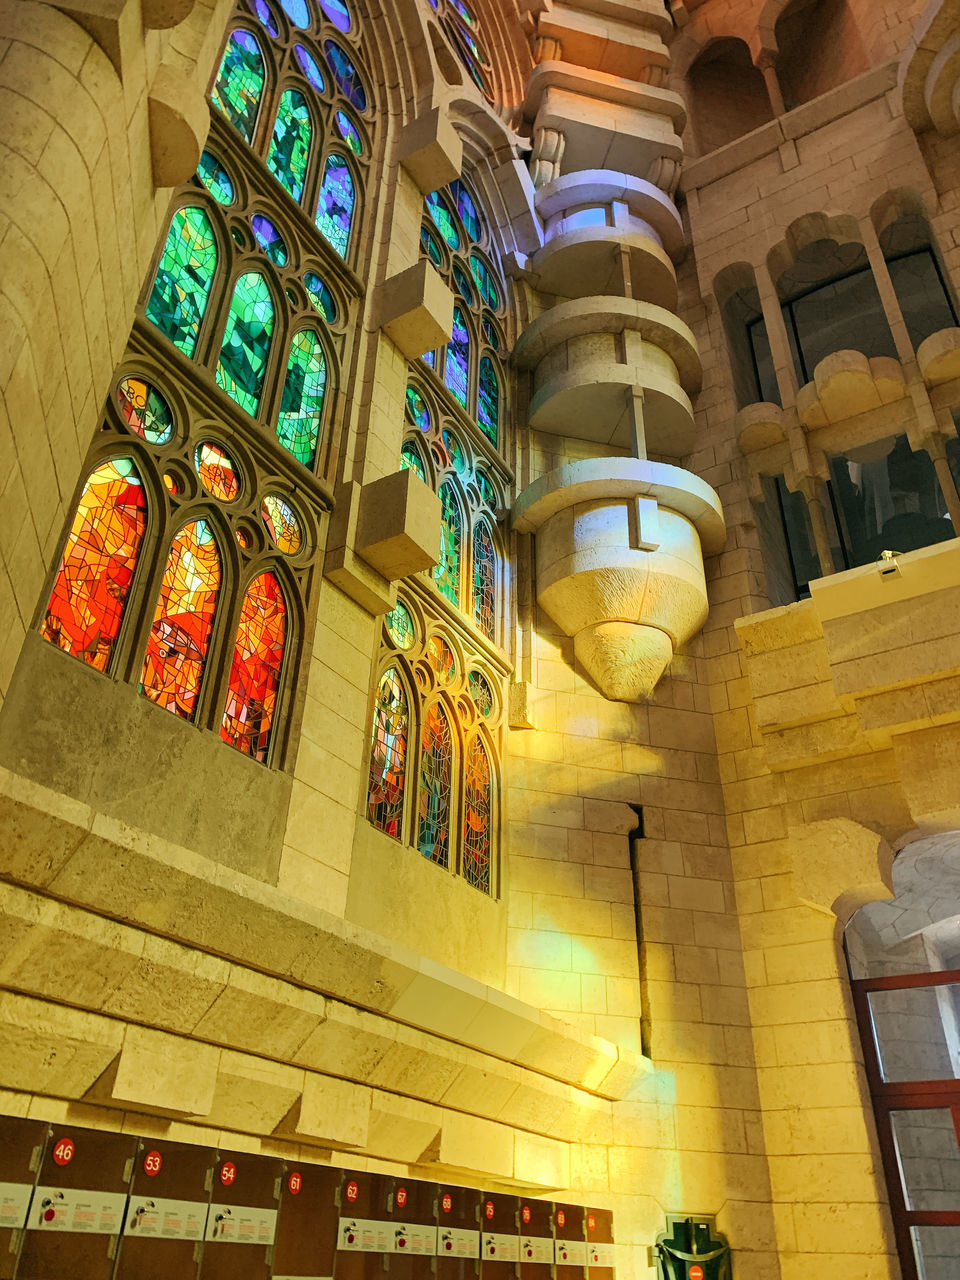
(307, 1226)
(77, 1212)
(412, 1208)
(458, 1233)
(570, 1241)
(499, 1236)
(21, 1147)
(242, 1217)
(167, 1214)
(600, 1252)
(536, 1239)
(365, 1238)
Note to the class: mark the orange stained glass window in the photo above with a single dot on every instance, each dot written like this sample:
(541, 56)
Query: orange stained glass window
(255, 671)
(180, 635)
(99, 559)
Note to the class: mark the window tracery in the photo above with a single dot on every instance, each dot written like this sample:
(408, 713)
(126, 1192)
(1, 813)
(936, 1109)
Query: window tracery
(462, 29)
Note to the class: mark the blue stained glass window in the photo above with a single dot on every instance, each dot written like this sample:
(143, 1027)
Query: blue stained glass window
(456, 367)
(269, 239)
(320, 296)
(488, 400)
(338, 12)
(215, 178)
(463, 285)
(463, 11)
(429, 243)
(308, 65)
(240, 82)
(346, 75)
(336, 203)
(417, 409)
(430, 358)
(290, 144)
(466, 209)
(297, 12)
(490, 333)
(349, 133)
(265, 14)
(246, 341)
(443, 219)
(485, 281)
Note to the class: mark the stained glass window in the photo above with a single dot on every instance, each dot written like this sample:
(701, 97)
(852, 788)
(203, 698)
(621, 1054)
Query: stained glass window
(400, 626)
(301, 408)
(181, 289)
(466, 209)
(246, 342)
(251, 708)
(349, 133)
(180, 635)
(346, 75)
(297, 12)
(464, 287)
(488, 400)
(320, 296)
(456, 367)
(99, 560)
(269, 239)
(484, 581)
(217, 471)
(485, 282)
(144, 410)
(430, 246)
(487, 492)
(215, 178)
(475, 855)
(388, 756)
(410, 460)
(442, 219)
(336, 203)
(442, 660)
(290, 144)
(481, 693)
(265, 15)
(417, 409)
(447, 572)
(310, 68)
(454, 452)
(282, 523)
(436, 773)
(338, 12)
(240, 82)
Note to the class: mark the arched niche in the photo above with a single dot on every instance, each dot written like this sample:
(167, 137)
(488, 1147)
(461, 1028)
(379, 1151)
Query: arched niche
(726, 94)
(919, 277)
(751, 362)
(819, 48)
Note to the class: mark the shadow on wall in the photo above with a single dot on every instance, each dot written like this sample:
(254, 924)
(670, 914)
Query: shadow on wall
(819, 47)
(727, 95)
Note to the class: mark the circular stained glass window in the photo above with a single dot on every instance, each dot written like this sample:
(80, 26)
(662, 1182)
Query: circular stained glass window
(145, 411)
(309, 67)
(320, 296)
(265, 14)
(283, 523)
(417, 409)
(481, 693)
(442, 660)
(443, 219)
(269, 239)
(173, 483)
(297, 12)
(400, 627)
(338, 12)
(215, 178)
(346, 75)
(217, 471)
(349, 133)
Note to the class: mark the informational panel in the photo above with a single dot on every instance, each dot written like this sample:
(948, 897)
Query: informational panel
(21, 1149)
(570, 1241)
(167, 1213)
(307, 1224)
(76, 1215)
(365, 1230)
(536, 1239)
(242, 1217)
(499, 1236)
(458, 1233)
(600, 1252)
(412, 1207)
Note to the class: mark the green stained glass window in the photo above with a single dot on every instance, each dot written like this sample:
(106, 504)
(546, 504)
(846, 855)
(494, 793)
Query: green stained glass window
(436, 777)
(336, 203)
(215, 178)
(240, 82)
(456, 452)
(246, 342)
(290, 144)
(439, 211)
(269, 239)
(490, 333)
(456, 366)
(301, 408)
(485, 281)
(463, 285)
(320, 296)
(447, 572)
(410, 460)
(487, 491)
(349, 133)
(466, 209)
(484, 581)
(464, 12)
(481, 693)
(184, 277)
(429, 242)
(488, 400)
(400, 626)
(417, 409)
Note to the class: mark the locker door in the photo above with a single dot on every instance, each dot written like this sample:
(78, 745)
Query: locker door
(307, 1225)
(21, 1146)
(600, 1251)
(242, 1218)
(499, 1237)
(167, 1215)
(458, 1233)
(365, 1238)
(77, 1211)
(570, 1247)
(536, 1240)
(412, 1207)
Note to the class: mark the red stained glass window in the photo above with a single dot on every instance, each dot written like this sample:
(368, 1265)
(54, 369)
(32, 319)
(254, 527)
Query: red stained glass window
(476, 817)
(180, 635)
(255, 672)
(99, 559)
(436, 774)
(388, 756)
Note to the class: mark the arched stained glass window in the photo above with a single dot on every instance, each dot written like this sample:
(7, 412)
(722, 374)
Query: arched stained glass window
(447, 572)
(488, 400)
(336, 203)
(436, 786)
(477, 816)
(388, 756)
(466, 209)
(180, 635)
(239, 82)
(346, 75)
(184, 278)
(251, 708)
(301, 408)
(456, 367)
(338, 12)
(215, 178)
(410, 460)
(484, 581)
(439, 211)
(297, 12)
(99, 560)
(246, 342)
(290, 144)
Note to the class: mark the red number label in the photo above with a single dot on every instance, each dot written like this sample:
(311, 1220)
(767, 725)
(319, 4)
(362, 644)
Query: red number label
(352, 1191)
(228, 1173)
(696, 1272)
(63, 1151)
(446, 1203)
(152, 1163)
(526, 1213)
(401, 1196)
(294, 1183)
(488, 1208)
(591, 1222)
(561, 1218)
